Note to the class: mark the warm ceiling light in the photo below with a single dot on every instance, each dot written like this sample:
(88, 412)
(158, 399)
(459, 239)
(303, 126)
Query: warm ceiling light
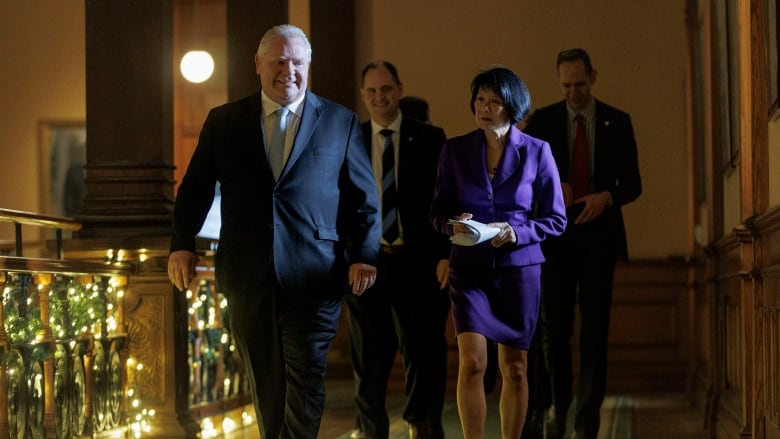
(197, 66)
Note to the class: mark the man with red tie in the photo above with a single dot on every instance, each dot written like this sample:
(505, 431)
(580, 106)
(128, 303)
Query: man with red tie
(596, 154)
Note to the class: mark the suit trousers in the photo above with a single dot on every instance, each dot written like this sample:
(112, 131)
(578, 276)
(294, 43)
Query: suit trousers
(579, 272)
(539, 393)
(284, 338)
(404, 310)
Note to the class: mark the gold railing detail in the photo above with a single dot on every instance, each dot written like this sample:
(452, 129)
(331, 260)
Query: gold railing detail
(219, 390)
(60, 369)
(74, 358)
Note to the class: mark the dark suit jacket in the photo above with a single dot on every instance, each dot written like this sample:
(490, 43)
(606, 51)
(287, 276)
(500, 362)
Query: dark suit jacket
(309, 226)
(525, 193)
(418, 154)
(616, 167)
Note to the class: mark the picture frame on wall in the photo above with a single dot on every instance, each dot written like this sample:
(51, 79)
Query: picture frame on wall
(728, 84)
(63, 154)
(773, 45)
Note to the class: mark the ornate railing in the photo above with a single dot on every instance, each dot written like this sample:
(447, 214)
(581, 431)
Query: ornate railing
(219, 390)
(61, 354)
(70, 362)
(62, 371)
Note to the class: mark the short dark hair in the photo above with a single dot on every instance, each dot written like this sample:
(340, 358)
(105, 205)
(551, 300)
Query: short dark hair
(572, 55)
(377, 64)
(415, 107)
(506, 84)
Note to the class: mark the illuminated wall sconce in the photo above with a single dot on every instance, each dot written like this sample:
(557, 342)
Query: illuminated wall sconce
(197, 66)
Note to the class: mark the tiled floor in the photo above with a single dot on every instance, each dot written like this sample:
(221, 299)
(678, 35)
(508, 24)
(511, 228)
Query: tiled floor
(644, 416)
(666, 416)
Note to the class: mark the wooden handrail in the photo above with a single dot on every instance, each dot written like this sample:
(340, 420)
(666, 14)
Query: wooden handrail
(63, 266)
(40, 220)
(57, 223)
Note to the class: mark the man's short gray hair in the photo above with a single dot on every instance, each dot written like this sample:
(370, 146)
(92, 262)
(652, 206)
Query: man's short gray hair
(287, 31)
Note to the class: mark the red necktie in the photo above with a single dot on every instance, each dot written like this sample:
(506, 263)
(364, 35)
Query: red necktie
(580, 171)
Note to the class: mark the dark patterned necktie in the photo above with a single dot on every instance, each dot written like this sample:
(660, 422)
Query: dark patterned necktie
(389, 193)
(580, 173)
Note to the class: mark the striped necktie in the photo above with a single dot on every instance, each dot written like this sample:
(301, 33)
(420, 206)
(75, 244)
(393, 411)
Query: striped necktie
(389, 193)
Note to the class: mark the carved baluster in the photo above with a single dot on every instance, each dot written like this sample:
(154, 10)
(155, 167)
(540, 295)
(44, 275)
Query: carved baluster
(89, 373)
(120, 283)
(64, 382)
(46, 338)
(222, 391)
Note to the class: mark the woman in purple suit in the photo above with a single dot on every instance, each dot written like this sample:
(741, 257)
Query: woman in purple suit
(498, 176)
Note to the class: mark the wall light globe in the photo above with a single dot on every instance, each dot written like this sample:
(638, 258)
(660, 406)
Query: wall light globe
(197, 66)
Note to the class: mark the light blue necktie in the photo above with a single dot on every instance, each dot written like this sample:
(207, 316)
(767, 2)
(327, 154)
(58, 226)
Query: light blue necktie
(276, 144)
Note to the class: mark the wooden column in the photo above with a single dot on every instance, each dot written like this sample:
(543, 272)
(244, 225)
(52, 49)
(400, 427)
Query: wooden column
(333, 40)
(129, 177)
(129, 168)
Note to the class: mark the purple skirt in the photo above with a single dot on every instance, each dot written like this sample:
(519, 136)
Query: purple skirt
(502, 305)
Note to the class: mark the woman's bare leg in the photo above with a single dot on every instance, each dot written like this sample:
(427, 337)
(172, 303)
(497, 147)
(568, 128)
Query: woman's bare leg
(472, 359)
(514, 390)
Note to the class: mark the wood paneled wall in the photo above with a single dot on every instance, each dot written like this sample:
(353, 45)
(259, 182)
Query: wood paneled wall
(735, 298)
(736, 363)
(650, 335)
(767, 327)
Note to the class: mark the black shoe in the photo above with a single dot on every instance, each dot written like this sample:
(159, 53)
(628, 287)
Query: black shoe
(437, 432)
(555, 428)
(534, 425)
(581, 434)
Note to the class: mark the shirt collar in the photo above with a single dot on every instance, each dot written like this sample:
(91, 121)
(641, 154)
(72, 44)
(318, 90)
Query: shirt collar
(394, 125)
(270, 106)
(588, 112)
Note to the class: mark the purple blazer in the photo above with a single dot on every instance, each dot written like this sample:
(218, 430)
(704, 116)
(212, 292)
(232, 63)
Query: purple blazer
(525, 192)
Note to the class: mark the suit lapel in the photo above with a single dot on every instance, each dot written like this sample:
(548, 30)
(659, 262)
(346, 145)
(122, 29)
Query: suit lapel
(477, 165)
(510, 160)
(312, 108)
(601, 126)
(561, 140)
(368, 137)
(405, 164)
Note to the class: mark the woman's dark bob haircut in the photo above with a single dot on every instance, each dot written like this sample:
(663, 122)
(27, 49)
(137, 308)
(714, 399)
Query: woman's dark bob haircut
(508, 86)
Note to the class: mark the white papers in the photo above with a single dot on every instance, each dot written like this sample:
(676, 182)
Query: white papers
(478, 232)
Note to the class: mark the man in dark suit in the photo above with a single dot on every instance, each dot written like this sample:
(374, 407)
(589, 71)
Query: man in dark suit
(596, 154)
(299, 222)
(405, 310)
